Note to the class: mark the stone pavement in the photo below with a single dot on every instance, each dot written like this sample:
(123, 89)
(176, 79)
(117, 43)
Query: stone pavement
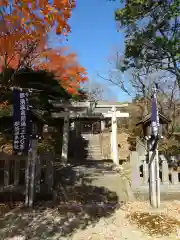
(103, 175)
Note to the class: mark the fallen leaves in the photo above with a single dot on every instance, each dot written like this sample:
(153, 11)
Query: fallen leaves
(161, 222)
(154, 224)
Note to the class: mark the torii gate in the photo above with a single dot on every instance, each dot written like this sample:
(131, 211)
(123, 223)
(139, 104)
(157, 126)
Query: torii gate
(113, 114)
(70, 110)
(76, 109)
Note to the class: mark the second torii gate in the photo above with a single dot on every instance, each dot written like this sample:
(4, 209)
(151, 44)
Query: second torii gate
(113, 114)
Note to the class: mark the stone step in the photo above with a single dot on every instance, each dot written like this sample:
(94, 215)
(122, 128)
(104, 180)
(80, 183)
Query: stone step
(94, 146)
(94, 158)
(91, 139)
(94, 155)
(93, 149)
(93, 142)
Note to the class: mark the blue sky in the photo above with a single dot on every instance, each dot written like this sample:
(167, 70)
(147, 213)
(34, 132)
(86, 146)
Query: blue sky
(95, 39)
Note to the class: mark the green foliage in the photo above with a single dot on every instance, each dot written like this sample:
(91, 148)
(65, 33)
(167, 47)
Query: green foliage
(152, 34)
(28, 78)
(49, 89)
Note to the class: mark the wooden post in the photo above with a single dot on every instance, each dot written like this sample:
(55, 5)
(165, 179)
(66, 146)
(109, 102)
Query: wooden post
(154, 159)
(16, 172)
(157, 178)
(49, 172)
(30, 173)
(32, 176)
(152, 179)
(6, 172)
(27, 178)
(38, 174)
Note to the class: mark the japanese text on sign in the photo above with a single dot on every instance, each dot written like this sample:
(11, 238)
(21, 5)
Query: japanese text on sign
(20, 108)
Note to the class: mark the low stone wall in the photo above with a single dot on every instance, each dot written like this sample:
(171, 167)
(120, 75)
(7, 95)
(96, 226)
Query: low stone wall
(169, 177)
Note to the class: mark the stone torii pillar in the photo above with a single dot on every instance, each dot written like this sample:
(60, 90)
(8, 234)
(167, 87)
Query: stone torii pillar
(65, 140)
(113, 114)
(70, 109)
(114, 137)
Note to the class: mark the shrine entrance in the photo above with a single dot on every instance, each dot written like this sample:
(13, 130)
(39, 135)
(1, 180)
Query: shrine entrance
(90, 127)
(88, 121)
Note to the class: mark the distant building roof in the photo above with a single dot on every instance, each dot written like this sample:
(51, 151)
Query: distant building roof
(147, 119)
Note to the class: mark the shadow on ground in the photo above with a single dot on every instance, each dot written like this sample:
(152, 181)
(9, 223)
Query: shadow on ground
(83, 205)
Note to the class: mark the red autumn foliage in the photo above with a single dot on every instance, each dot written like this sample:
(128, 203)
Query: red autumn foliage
(64, 66)
(24, 25)
(38, 15)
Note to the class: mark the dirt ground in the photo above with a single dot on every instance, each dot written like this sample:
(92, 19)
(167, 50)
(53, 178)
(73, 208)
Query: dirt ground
(132, 221)
(100, 210)
(137, 221)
